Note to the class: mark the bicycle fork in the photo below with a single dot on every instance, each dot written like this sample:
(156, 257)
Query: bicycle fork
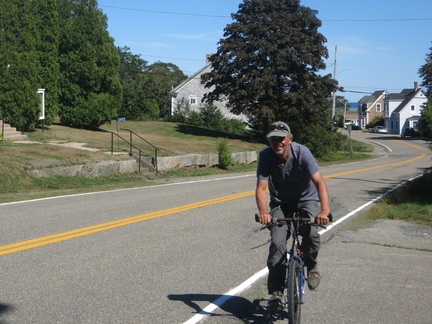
(302, 280)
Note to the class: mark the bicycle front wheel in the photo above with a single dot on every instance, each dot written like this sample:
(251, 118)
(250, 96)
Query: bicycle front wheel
(294, 292)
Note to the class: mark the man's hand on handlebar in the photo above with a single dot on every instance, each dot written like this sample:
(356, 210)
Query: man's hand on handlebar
(265, 219)
(323, 218)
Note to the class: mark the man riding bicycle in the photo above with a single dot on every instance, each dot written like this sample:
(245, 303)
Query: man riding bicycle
(296, 184)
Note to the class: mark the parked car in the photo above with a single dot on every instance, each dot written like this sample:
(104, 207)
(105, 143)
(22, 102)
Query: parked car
(409, 131)
(380, 129)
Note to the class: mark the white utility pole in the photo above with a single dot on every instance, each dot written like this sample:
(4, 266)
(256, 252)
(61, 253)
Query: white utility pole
(334, 93)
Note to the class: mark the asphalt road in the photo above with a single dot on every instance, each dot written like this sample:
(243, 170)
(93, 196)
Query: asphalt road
(161, 254)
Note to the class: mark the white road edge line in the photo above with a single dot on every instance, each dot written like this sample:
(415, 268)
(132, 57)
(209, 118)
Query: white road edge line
(221, 300)
(246, 284)
(126, 189)
(377, 143)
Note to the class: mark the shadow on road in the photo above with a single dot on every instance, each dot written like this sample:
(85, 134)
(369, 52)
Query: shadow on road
(238, 307)
(3, 309)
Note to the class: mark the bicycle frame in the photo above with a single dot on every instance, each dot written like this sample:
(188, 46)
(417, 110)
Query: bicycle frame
(295, 253)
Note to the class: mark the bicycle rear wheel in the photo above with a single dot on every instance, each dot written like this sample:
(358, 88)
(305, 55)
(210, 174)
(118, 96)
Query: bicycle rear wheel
(293, 292)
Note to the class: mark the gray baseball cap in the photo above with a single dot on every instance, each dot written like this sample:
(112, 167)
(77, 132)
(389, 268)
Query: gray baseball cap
(278, 129)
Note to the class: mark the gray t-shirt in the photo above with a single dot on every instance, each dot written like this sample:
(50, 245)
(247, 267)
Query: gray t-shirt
(292, 182)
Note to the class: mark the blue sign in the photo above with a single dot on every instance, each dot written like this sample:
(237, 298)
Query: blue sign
(123, 119)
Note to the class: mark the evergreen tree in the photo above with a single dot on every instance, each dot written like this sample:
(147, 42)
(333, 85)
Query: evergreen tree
(425, 72)
(90, 84)
(48, 31)
(19, 101)
(267, 66)
(158, 80)
(131, 71)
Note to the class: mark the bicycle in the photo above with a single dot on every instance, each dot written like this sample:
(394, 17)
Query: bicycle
(295, 281)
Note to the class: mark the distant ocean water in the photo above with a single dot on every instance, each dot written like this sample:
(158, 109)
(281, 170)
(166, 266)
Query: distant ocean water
(353, 105)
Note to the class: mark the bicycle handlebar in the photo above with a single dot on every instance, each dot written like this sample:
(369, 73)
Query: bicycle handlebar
(289, 219)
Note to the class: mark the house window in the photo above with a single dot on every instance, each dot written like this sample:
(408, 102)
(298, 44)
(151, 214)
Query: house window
(412, 108)
(193, 101)
(378, 107)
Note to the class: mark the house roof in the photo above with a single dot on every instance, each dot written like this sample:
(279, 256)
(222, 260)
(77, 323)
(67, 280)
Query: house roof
(401, 95)
(372, 98)
(408, 95)
(192, 77)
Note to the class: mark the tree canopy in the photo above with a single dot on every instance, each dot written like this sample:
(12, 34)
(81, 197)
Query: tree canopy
(267, 66)
(62, 46)
(19, 57)
(425, 72)
(90, 84)
(158, 80)
(146, 87)
(131, 68)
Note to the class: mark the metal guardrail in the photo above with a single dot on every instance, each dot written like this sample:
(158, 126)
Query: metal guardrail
(131, 141)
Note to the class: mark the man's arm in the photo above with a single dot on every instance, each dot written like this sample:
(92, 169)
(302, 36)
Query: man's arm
(323, 194)
(261, 201)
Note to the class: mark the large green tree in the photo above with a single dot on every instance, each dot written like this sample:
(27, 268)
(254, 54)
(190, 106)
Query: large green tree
(28, 55)
(267, 66)
(90, 84)
(19, 103)
(47, 29)
(132, 67)
(425, 72)
(158, 80)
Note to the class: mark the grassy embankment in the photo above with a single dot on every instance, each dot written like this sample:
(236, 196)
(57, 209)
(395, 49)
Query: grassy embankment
(411, 201)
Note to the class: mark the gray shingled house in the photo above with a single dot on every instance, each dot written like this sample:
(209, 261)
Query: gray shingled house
(193, 90)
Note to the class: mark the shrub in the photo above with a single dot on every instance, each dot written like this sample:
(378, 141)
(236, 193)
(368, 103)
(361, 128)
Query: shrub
(322, 142)
(377, 121)
(224, 155)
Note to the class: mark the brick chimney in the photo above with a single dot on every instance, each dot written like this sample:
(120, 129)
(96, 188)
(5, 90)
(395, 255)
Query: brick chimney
(415, 85)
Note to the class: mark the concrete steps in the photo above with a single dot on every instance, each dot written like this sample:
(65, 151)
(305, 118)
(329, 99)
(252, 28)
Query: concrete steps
(11, 134)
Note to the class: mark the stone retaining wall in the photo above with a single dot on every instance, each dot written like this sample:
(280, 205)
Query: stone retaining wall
(106, 168)
(88, 170)
(202, 160)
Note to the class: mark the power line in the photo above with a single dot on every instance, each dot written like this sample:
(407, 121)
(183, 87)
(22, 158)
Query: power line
(168, 12)
(229, 17)
(377, 20)
(173, 58)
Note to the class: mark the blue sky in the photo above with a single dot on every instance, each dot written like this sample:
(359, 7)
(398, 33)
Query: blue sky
(381, 43)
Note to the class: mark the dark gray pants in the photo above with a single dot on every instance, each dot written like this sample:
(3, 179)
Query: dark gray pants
(279, 236)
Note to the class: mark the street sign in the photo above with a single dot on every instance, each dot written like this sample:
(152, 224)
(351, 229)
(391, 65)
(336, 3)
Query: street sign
(122, 119)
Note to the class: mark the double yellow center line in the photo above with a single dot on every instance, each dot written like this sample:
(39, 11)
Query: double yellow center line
(11, 248)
